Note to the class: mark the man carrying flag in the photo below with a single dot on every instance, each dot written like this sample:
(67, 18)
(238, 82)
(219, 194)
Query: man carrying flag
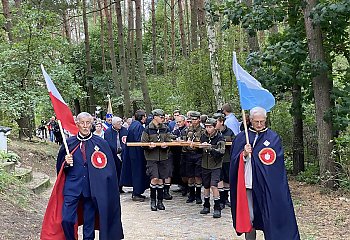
(85, 189)
(260, 196)
(108, 123)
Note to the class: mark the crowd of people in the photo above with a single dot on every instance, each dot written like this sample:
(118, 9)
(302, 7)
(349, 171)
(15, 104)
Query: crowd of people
(241, 170)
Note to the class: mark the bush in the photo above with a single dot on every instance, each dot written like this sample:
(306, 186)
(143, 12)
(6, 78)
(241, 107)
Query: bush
(8, 157)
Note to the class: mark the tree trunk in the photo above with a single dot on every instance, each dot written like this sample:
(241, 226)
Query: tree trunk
(165, 40)
(214, 62)
(188, 27)
(131, 49)
(125, 83)
(253, 42)
(194, 37)
(154, 37)
(76, 106)
(172, 21)
(8, 21)
(112, 50)
(102, 42)
(322, 90)
(182, 30)
(66, 26)
(144, 86)
(94, 11)
(298, 142)
(201, 24)
(89, 76)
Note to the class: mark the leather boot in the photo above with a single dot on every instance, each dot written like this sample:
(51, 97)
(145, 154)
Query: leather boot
(160, 197)
(199, 194)
(217, 209)
(160, 205)
(167, 195)
(222, 198)
(191, 197)
(206, 206)
(153, 204)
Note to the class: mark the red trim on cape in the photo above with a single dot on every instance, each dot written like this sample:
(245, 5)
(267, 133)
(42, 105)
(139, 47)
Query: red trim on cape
(243, 224)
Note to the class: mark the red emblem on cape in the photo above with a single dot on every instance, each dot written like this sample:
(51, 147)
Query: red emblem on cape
(124, 139)
(98, 159)
(267, 156)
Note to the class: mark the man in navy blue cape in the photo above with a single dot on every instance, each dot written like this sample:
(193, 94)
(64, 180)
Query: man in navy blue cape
(260, 196)
(85, 191)
(116, 138)
(134, 163)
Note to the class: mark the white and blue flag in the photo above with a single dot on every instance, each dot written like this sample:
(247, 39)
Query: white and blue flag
(251, 93)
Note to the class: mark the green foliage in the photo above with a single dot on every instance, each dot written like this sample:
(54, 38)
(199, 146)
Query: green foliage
(8, 156)
(341, 153)
(310, 175)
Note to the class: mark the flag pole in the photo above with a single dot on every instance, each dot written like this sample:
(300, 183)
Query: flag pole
(245, 126)
(64, 139)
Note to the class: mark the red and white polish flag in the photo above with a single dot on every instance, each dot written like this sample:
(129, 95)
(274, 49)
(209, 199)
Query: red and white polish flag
(62, 111)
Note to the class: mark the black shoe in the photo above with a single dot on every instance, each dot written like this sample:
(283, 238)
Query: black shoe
(222, 206)
(199, 200)
(205, 210)
(190, 199)
(217, 213)
(167, 195)
(184, 191)
(138, 198)
(153, 205)
(160, 205)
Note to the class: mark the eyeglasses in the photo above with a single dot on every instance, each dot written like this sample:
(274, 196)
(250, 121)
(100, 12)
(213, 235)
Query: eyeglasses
(259, 122)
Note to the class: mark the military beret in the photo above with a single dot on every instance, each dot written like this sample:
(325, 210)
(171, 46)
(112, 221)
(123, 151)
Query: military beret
(158, 112)
(218, 115)
(210, 122)
(195, 115)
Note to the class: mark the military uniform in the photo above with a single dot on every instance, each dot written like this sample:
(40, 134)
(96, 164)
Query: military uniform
(193, 159)
(157, 167)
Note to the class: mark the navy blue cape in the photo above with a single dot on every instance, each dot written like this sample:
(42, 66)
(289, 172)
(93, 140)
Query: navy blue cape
(111, 137)
(134, 163)
(103, 186)
(273, 207)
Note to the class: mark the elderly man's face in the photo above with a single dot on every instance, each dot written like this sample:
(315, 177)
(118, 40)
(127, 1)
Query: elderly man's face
(109, 120)
(84, 125)
(117, 125)
(258, 122)
(180, 121)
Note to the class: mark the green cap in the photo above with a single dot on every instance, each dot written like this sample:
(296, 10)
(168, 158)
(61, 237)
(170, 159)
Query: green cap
(210, 122)
(158, 112)
(195, 115)
(218, 115)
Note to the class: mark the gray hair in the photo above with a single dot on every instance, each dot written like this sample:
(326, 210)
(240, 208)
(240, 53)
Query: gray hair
(116, 120)
(83, 115)
(182, 117)
(257, 111)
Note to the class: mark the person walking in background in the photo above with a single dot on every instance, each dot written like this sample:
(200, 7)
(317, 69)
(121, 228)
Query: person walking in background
(116, 138)
(133, 172)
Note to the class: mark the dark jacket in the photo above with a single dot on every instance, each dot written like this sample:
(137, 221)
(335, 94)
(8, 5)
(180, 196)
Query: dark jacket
(228, 134)
(153, 133)
(193, 134)
(212, 158)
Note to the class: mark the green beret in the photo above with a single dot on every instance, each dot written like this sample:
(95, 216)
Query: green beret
(157, 112)
(210, 122)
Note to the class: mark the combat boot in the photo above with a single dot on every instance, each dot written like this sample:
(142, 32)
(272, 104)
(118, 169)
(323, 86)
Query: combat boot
(206, 206)
(160, 197)
(160, 205)
(153, 204)
(167, 195)
(191, 197)
(217, 209)
(198, 194)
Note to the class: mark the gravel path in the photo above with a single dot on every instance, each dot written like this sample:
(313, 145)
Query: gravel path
(180, 220)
